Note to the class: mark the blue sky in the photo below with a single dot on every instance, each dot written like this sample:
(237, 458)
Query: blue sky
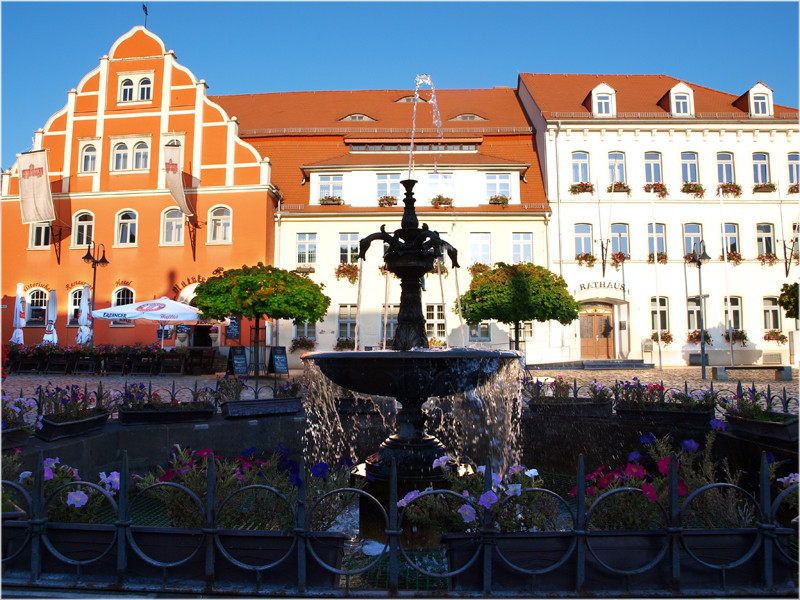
(251, 47)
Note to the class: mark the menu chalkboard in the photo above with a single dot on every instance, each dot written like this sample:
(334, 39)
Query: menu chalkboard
(237, 361)
(277, 360)
(165, 333)
(184, 328)
(233, 329)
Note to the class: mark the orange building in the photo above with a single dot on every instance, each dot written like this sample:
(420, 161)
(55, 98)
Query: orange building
(110, 184)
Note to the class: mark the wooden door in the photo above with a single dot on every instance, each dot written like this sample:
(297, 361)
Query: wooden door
(597, 334)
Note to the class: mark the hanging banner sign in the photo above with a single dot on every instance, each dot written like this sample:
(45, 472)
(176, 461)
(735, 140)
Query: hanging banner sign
(35, 199)
(172, 165)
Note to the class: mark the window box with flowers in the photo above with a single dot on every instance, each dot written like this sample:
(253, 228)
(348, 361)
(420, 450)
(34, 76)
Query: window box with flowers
(441, 202)
(767, 258)
(666, 337)
(619, 186)
(437, 267)
(385, 201)
(559, 397)
(581, 188)
(435, 344)
(331, 200)
(693, 189)
(302, 343)
(793, 189)
(617, 258)
(478, 268)
(764, 187)
(775, 335)
(662, 258)
(729, 189)
(657, 188)
(499, 199)
(733, 257)
(694, 337)
(344, 343)
(70, 411)
(347, 271)
(739, 336)
(587, 258)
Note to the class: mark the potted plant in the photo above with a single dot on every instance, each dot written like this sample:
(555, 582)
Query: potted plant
(68, 411)
(767, 258)
(560, 398)
(385, 201)
(213, 333)
(478, 268)
(764, 187)
(792, 189)
(302, 343)
(694, 189)
(775, 335)
(441, 202)
(617, 258)
(581, 188)
(619, 186)
(651, 404)
(693, 337)
(729, 189)
(499, 199)
(139, 404)
(739, 336)
(662, 258)
(666, 337)
(18, 420)
(586, 258)
(658, 188)
(331, 200)
(347, 271)
(344, 343)
(750, 415)
(733, 257)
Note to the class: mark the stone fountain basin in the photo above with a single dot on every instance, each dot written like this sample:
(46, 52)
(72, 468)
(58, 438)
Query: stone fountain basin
(411, 374)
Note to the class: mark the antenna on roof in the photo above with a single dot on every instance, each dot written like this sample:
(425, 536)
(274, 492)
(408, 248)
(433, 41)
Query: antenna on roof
(144, 8)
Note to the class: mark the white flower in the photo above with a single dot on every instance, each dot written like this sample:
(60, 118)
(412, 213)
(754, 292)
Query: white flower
(532, 473)
(515, 489)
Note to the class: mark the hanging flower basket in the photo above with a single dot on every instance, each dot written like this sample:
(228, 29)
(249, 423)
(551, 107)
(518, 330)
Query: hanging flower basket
(739, 336)
(499, 199)
(617, 258)
(694, 337)
(694, 189)
(764, 187)
(729, 189)
(302, 343)
(793, 189)
(733, 257)
(662, 258)
(581, 188)
(767, 258)
(775, 335)
(666, 337)
(658, 188)
(478, 268)
(441, 202)
(329, 200)
(387, 201)
(587, 258)
(619, 186)
(347, 271)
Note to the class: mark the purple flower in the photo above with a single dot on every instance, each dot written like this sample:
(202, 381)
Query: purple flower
(467, 513)
(717, 424)
(23, 475)
(49, 462)
(441, 461)
(648, 439)
(344, 461)
(408, 498)
(319, 470)
(634, 457)
(249, 451)
(770, 457)
(514, 469)
(77, 499)
(690, 445)
(487, 499)
(48, 474)
(515, 489)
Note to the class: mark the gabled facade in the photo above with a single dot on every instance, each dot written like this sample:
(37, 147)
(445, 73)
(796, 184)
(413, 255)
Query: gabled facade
(108, 178)
(671, 163)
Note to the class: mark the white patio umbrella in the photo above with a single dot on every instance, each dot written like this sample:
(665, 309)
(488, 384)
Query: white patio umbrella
(50, 334)
(19, 316)
(84, 331)
(162, 311)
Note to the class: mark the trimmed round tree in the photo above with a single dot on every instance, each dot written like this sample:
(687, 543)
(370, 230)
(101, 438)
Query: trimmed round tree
(515, 293)
(788, 300)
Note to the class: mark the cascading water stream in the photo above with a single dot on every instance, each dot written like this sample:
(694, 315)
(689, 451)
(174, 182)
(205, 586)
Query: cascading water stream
(419, 80)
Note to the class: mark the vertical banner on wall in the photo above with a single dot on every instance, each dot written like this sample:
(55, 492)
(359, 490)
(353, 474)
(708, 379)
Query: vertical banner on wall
(172, 165)
(35, 199)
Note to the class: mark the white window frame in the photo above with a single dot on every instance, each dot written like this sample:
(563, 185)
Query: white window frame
(119, 161)
(126, 89)
(604, 105)
(82, 230)
(127, 226)
(389, 185)
(690, 238)
(217, 221)
(725, 168)
(39, 236)
(117, 300)
(690, 167)
(306, 249)
(330, 185)
(435, 325)
(124, 150)
(620, 239)
(145, 88)
(480, 332)
(693, 307)
(306, 329)
(480, 247)
(765, 238)
(736, 313)
(141, 157)
(730, 237)
(761, 168)
(136, 78)
(793, 161)
(653, 172)
(659, 309)
(346, 321)
(522, 247)
(36, 302)
(580, 167)
(348, 247)
(172, 226)
(584, 238)
(772, 313)
(498, 184)
(682, 105)
(616, 167)
(440, 184)
(74, 306)
(660, 240)
(89, 155)
(762, 105)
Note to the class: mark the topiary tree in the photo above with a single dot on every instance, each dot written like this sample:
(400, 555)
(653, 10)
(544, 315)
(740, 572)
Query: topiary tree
(789, 300)
(261, 291)
(515, 293)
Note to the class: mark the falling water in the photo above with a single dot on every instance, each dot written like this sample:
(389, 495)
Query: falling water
(420, 79)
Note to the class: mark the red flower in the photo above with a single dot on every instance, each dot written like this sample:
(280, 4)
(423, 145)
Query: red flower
(681, 488)
(634, 471)
(203, 453)
(597, 473)
(605, 480)
(167, 476)
(649, 491)
(591, 490)
(663, 465)
(573, 492)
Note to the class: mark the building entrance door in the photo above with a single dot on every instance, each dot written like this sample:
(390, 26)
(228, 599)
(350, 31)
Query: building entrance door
(597, 331)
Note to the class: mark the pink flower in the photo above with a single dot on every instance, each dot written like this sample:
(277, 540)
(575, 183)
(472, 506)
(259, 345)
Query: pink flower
(596, 473)
(663, 465)
(573, 492)
(634, 471)
(167, 476)
(591, 491)
(604, 481)
(203, 453)
(649, 491)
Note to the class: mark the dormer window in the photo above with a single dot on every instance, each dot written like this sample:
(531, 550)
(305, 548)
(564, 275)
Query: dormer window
(411, 99)
(681, 104)
(681, 100)
(760, 101)
(604, 101)
(357, 117)
(468, 117)
(604, 105)
(760, 105)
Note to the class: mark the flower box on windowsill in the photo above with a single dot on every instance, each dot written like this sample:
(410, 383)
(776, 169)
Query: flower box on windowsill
(793, 189)
(760, 188)
(693, 189)
(733, 257)
(586, 258)
(729, 189)
(662, 258)
(331, 200)
(658, 188)
(385, 201)
(441, 202)
(499, 199)
(581, 188)
(619, 187)
(767, 258)
(305, 269)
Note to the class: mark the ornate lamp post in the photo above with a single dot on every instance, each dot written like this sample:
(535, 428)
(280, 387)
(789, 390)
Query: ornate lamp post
(90, 258)
(699, 258)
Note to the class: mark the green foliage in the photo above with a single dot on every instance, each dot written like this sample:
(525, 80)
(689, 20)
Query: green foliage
(520, 292)
(261, 291)
(789, 300)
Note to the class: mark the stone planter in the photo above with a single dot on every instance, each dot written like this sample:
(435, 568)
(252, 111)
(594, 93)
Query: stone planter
(756, 430)
(55, 430)
(581, 407)
(191, 412)
(239, 409)
(15, 437)
(665, 417)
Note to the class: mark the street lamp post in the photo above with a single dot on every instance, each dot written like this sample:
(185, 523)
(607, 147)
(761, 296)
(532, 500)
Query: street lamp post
(699, 258)
(90, 258)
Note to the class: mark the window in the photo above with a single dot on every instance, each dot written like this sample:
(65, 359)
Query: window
(619, 238)
(682, 104)
(724, 167)
(583, 238)
(347, 320)
(660, 238)
(736, 312)
(480, 332)
(140, 156)
(89, 159)
(434, 321)
(521, 247)
(616, 167)
(652, 167)
(689, 168)
(306, 329)
(306, 249)
(144, 89)
(357, 117)
(480, 248)
(348, 247)
(761, 105)
(692, 235)
(760, 167)
(330, 185)
(172, 227)
(580, 167)
(772, 314)
(765, 238)
(120, 157)
(693, 313)
(390, 314)
(220, 225)
(126, 91)
(126, 228)
(120, 297)
(730, 237)
(440, 183)
(794, 167)
(659, 315)
(37, 308)
(498, 184)
(74, 306)
(604, 104)
(468, 117)
(82, 229)
(40, 235)
(389, 185)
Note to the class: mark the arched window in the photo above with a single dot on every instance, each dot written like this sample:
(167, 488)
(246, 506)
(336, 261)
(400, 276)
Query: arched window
(580, 167)
(219, 225)
(89, 159)
(760, 167)
(724, 167)
(140, 156)
(126, 91)
(37, 308)
(120, 157)
(126, 228)
(82, 228)
(120, 297)
(74, 305)
(172, 227)
(144, 89)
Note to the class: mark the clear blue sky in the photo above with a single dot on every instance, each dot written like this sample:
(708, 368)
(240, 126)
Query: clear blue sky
(251, 47)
